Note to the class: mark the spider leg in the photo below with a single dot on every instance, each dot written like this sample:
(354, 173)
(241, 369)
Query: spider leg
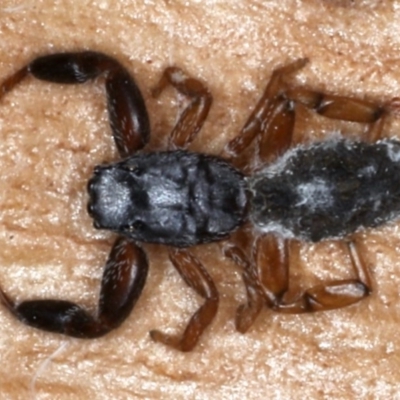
(236, 249)
(127, 111)
(122, 283)
(196, 277)
(337, 107)
(266, 278)
(265, 273)
(273, 262)
(271, 121)
(194, 115)
(344, 108)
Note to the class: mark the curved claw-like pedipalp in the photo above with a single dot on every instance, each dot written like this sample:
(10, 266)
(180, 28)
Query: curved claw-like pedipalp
(122, 283)
(127, 111)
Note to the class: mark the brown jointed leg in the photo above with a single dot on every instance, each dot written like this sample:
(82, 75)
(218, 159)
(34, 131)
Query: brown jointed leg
(344, 108)
(334, 294)
(272, 120)
(265, 275)
(266, 278)
(196, 277)
(193, 117)
(247, 313)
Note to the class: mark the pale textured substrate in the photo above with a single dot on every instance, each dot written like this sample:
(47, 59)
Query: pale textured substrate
(51, 137)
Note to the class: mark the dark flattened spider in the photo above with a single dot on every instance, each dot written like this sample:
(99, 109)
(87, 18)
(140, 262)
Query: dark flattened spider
(179, 198)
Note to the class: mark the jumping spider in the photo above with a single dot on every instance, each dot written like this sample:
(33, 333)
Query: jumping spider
(179, 198)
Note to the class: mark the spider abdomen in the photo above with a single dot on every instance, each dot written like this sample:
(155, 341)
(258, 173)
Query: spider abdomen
(328, 189)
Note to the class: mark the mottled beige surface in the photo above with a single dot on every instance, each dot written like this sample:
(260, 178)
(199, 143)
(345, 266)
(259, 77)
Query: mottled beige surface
(52, 136)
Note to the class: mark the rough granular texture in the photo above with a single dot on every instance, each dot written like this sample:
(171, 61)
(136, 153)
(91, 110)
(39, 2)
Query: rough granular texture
(328, 190)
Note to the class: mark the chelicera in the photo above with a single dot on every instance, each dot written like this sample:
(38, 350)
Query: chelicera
(180, 198)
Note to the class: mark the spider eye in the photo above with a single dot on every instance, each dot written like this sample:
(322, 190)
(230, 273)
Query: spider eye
(135, 226)
(133, 169)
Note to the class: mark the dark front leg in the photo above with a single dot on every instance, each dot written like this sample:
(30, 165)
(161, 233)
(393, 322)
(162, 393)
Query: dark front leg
(127, 111)
(122, 283)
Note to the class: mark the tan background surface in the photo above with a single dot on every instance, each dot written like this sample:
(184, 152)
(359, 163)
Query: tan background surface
(52, 136)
